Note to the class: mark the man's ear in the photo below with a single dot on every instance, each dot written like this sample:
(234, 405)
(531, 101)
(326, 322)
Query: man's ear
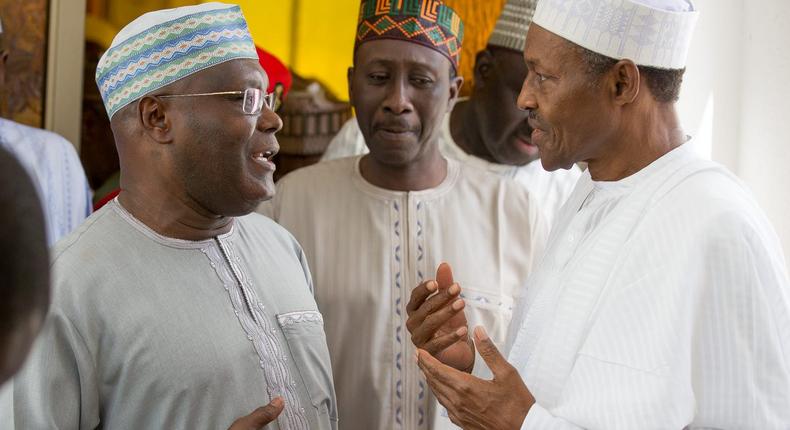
(153, 115)
(624, 82)
(350, 77)
(455, 89)
(484, 67)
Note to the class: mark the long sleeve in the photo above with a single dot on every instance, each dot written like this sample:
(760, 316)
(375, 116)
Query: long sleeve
(539, 418)
(693, 334)
(57, 388)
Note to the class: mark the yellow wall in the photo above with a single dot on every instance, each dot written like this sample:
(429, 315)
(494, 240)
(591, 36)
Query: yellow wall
(324, 38)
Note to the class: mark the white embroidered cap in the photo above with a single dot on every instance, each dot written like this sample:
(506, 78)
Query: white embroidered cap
(512, 25)
(653, 33)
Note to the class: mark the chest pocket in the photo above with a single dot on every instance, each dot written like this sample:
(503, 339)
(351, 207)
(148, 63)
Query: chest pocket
(490, 310)
(304, 332)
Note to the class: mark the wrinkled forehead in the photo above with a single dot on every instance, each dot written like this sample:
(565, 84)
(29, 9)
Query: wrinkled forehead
(228, 76)
(398, 52)
(544, 47)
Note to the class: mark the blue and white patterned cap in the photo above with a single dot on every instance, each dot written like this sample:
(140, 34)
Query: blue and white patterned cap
(654, 33)
(161, 47)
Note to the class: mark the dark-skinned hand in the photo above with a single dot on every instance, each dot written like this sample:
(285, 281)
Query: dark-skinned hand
(437, 322)
(260, 417)
(477, 404)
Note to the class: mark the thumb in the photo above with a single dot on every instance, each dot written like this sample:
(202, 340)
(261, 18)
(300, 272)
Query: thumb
(266, 414)
(444, 276)
(495, 361)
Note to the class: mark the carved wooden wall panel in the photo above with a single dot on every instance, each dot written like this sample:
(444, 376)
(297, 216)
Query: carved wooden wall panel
(25, 34)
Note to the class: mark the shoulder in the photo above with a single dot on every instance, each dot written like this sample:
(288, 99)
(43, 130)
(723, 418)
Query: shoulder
(711, 193)
(27, 133)
(101, 226)
(347, 142)
(264, 230)
(45, 149)
(473, 177)
(712, 215)
(322, 174)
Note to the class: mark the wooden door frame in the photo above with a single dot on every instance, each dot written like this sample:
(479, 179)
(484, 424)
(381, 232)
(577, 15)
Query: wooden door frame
(65, 56)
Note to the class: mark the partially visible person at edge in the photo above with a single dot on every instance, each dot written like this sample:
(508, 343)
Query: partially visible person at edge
(195, 313)
(663, 299)
(24, 273)
(51, 162)
(487, 130)
(374, 224)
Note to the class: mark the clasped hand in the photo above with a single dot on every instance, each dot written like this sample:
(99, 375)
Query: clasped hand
(445, 353)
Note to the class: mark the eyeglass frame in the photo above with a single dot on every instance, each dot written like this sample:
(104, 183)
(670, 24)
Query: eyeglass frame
(267, 99)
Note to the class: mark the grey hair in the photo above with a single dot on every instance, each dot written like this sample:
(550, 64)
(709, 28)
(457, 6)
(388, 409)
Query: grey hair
(664, 84)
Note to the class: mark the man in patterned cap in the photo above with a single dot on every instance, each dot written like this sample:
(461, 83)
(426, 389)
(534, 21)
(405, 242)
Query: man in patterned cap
(373, 226)
(663, 300)
(194, 313)
(488, 130)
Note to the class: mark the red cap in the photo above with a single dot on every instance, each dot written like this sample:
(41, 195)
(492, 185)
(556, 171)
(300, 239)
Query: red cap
(280, 78)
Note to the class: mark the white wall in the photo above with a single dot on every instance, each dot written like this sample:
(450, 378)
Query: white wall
(764, 155)
(736, 97)
(710, 95)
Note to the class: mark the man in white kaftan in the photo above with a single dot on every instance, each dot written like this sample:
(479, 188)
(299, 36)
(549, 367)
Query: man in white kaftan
(664, 293)
(663, 300)
(373, 226)
(366, 245)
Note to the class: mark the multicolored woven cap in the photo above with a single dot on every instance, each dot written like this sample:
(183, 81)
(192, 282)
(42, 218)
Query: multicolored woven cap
(161, 47)
(429, 23)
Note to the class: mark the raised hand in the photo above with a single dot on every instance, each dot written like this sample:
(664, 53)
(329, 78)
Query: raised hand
(437, 321)
(476, 404)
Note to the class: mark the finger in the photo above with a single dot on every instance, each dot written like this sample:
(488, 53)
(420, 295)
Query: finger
(429, 366)
(419, 294)
(266, 414)
(439, 344)
(436, 301)
(441, 374)
(491, 355)
(444, 275)
(432, 322)
(418, 315)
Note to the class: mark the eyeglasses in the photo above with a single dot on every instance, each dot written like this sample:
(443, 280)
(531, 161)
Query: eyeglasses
(252, 103)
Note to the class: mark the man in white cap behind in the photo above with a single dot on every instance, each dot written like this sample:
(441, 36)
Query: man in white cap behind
(172, 308)
(663, 300)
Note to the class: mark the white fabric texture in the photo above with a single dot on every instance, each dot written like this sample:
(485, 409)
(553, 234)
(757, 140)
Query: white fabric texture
(57, 174)
(622, 29)
(548, 189)
(662, 302)
(369, 247)
(668, 5)
(512, 25)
